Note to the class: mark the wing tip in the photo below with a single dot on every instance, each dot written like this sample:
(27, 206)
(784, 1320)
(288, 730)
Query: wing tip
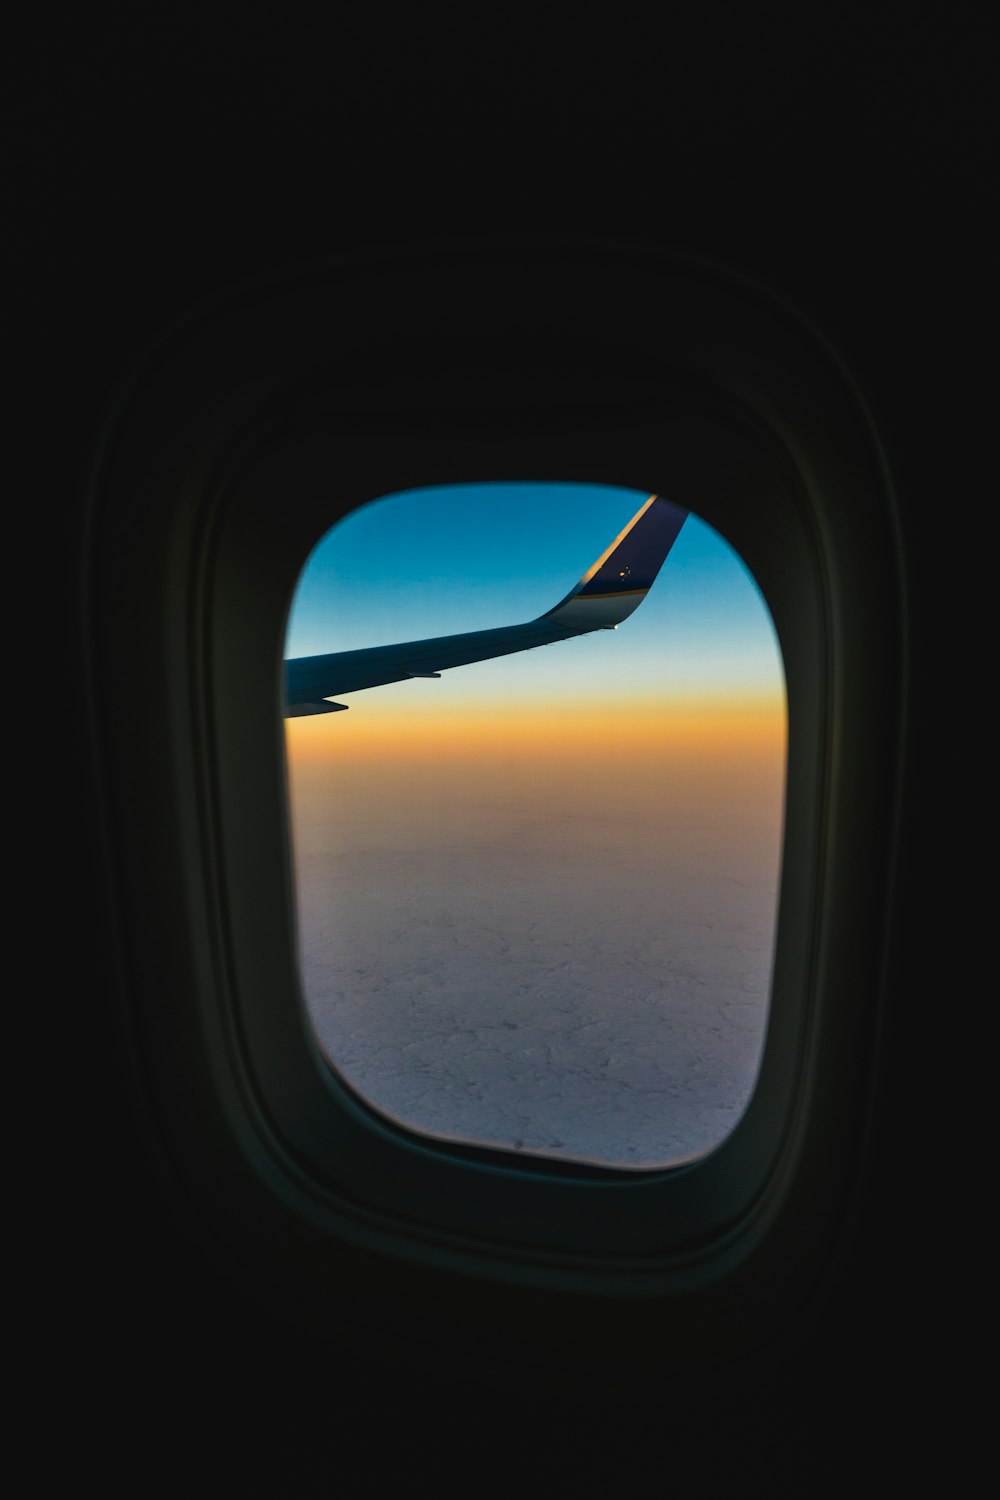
(620, 579)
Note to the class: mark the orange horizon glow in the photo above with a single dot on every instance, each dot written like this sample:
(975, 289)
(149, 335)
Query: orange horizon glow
(578, 730)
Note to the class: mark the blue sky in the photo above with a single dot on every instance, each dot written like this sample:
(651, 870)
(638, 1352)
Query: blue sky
(467, 557)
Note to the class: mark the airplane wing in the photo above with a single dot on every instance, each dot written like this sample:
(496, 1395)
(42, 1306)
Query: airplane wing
(608, 592)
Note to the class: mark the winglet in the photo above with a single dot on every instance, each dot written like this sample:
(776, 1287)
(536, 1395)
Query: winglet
(622, 576)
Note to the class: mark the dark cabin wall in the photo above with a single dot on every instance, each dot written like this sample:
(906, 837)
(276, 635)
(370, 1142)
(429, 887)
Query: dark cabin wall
(158, 158)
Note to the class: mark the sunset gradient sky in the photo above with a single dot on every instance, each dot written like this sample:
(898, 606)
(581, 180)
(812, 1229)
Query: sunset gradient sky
(697, 665)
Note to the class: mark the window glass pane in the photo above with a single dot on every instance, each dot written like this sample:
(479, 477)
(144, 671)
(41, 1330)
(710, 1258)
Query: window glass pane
(537, 895)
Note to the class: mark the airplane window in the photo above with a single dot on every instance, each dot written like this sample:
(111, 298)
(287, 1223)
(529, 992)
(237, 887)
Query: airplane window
(537, 861)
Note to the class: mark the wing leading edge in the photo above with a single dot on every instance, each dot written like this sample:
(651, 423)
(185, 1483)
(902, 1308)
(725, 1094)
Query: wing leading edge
(607, 594)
